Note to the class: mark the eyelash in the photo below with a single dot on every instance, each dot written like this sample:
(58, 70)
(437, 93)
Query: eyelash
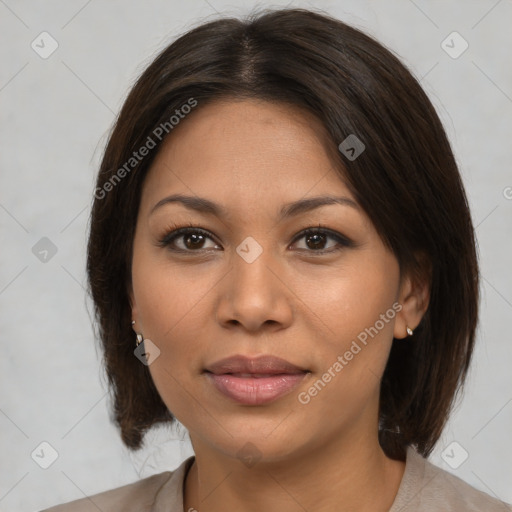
(174, 232)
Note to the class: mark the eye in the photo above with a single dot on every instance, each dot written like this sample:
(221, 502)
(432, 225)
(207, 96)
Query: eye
(315, 239)
(193, 238)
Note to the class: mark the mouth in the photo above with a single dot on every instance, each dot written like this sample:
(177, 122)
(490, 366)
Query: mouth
(254, 381)
(254, 375)
(263, 365)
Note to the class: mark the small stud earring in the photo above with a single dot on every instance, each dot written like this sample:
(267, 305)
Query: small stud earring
(133, 322)
(410, 332)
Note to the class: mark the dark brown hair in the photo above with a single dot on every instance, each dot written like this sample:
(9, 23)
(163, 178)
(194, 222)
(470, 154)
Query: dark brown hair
(406, 180)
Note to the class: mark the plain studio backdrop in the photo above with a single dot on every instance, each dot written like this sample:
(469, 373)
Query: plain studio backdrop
(66, 69)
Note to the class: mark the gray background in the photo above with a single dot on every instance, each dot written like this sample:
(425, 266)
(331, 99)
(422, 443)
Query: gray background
(56, 113)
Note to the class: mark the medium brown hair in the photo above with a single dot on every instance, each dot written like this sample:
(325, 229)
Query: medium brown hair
(406, 180)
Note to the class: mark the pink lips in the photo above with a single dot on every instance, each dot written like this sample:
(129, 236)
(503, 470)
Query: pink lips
(254, 381)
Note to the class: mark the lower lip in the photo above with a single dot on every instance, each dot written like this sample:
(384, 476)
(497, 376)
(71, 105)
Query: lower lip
(255, 391)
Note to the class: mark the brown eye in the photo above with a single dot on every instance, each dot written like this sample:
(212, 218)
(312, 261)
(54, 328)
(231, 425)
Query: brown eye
(316, 239)
(192, 239)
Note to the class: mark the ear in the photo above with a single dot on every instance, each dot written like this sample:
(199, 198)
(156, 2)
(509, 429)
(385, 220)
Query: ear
(414, 297)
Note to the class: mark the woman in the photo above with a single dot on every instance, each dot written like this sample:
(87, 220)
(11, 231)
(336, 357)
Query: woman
(282, 257)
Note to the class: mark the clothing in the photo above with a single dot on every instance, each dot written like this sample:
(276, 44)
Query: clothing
(424, 488)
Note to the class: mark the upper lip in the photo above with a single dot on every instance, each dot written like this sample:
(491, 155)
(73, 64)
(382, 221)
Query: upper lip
(263, 364)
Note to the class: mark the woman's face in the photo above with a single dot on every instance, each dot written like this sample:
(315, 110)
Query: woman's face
(254, 285)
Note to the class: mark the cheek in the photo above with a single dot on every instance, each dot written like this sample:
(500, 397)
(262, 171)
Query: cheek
(358, 307)
(172, 303)
(169, 296)
(171, 306)
(353, 354)
(173, 314)
(354, 296)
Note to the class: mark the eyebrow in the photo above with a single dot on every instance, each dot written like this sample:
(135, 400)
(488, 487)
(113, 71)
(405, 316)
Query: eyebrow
(203, 205)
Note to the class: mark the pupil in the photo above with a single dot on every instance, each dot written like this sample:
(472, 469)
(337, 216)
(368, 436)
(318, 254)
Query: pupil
(317, 241)
(195, 239)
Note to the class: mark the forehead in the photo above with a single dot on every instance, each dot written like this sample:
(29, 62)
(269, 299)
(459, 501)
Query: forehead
(246, 151)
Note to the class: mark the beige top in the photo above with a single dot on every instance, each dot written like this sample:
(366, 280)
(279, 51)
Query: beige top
(424, 488)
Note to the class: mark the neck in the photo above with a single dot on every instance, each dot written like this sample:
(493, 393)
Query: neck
(338, 476)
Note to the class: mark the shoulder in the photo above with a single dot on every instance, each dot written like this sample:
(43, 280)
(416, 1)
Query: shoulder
(136, 496)
(139, 496)
(426, 487)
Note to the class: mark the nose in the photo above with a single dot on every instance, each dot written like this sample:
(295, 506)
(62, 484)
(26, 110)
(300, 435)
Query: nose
(255, 294)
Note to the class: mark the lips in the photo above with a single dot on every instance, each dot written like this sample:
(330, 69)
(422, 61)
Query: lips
(262, 366)
(254, 381)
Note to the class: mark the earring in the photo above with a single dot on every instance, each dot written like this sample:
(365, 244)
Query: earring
(140, 339)
(410, 332)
